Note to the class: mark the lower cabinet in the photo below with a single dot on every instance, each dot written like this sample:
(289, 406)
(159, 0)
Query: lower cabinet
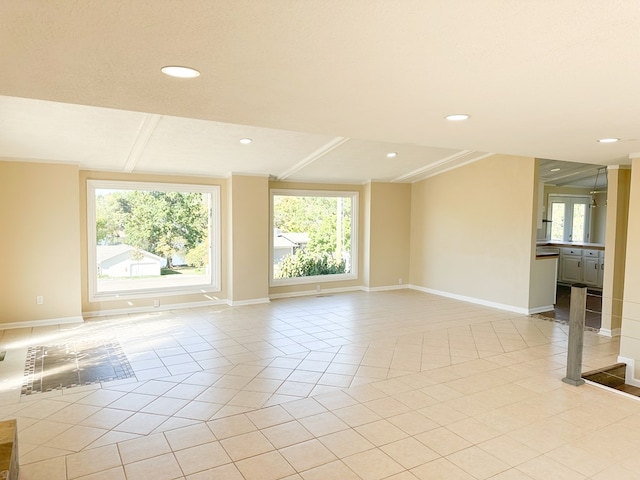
(581, 266)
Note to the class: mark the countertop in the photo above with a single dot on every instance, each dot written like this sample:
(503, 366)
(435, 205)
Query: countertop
(548, 243)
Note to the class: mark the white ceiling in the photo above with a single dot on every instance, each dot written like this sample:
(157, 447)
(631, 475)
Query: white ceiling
(325, 89)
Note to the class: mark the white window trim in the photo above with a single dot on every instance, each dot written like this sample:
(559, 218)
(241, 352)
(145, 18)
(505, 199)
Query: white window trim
(214, 237)
(338, 277)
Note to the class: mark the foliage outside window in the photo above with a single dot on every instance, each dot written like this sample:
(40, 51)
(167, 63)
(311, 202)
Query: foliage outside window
(313, 236)
(149, 239)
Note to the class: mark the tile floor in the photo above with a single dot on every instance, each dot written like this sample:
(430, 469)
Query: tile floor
(391, 385)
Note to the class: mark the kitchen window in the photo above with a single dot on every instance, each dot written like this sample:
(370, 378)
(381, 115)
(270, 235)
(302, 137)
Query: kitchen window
(570, 218)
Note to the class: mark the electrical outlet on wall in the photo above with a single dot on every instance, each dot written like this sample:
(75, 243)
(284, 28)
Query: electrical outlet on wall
(156, 302)
(39, 300)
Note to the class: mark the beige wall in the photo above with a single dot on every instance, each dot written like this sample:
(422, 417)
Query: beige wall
(388, 234)
(94, 308)
(248, 239)
(616, 246)
(466, 232)
(630, 338)
(40, 242)
(472, 231)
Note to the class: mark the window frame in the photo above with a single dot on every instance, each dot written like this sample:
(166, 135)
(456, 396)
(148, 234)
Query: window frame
(337, 277)
(212, 283)
(569, 201)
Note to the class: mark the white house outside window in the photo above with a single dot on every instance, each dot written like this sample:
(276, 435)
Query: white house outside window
(150, 239)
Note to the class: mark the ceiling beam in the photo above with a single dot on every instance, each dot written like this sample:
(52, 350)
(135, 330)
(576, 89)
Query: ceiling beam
(147, 127)
(313, 156)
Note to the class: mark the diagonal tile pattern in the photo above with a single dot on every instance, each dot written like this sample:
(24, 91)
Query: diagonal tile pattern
(397, 385)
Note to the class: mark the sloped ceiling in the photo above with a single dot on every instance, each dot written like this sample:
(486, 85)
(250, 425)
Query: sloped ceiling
(324, 89)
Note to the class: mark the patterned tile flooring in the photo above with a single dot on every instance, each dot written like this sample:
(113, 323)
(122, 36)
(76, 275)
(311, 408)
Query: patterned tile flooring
(389, 385)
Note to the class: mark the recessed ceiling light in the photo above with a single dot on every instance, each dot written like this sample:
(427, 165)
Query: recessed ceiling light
(392, 154)
(180, 72)
(245, 141)
(608, 140)
(555, 170)
(456, 117)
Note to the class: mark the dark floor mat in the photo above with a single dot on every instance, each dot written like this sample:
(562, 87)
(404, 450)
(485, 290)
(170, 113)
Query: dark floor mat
(52, 367)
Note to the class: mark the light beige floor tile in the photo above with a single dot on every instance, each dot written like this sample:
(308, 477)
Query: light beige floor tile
(286, 434)
(73, 413)
(473, 430)
(323, 424)
(508, 450)
(544, 468)
(142, 448)
(268, 417)
(443, 441)
(268, 466)
(101, 398)
(477, 462)
(582, 461)
(409, 452)
(202, 457)
(413, 422)
(116, 473)
(92, 461)
(440, 469)
(76, 438)
(356, 415)
(346, 443)
(246, 445)
(163, 467)
(511, 474)
(307, 455)
(196, 410)
(51, 469)
(189, 436)
(164, 406)
(381, 432)
(373, 464)
(106, 418)
(132, 401)
(141, 423)
(112, 437)
(224, 472)
(617, 472)
(231, 426)
(41, 432)
(335, 469)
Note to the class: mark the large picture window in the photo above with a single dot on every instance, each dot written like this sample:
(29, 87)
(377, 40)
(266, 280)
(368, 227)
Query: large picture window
(150, 239)
(314, 236)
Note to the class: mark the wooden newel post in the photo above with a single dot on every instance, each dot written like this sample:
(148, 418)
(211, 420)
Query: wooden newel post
(577, 310)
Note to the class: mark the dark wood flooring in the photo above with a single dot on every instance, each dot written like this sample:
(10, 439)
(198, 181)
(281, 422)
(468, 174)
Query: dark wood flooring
(593, 316)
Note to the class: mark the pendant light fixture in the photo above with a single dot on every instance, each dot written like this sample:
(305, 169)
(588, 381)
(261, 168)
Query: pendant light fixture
(594, 204)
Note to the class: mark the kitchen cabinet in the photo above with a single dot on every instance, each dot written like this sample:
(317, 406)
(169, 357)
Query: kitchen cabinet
(571, 269)
(578, 265)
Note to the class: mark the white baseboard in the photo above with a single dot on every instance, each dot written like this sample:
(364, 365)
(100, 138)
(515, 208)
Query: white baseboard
(477, 301)
(147, 309)
(253, 301)
(308, 293)
(41, 323)
(605, 332)
(546, 308)
(629, 377)
(385, 288)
